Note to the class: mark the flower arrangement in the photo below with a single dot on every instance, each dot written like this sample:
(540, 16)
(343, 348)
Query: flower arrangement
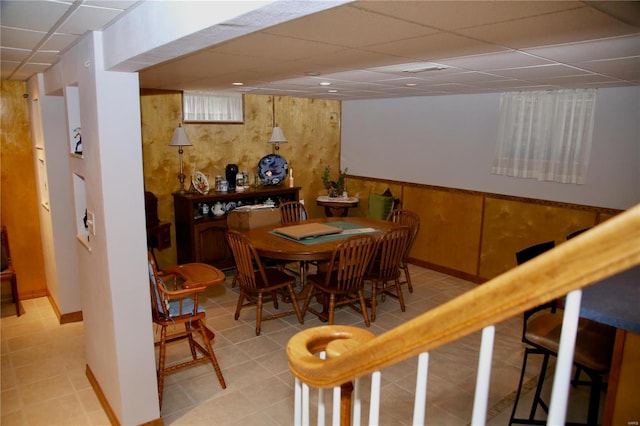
(334, 187)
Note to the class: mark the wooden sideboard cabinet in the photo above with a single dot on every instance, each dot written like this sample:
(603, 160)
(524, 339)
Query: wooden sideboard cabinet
(201, 237)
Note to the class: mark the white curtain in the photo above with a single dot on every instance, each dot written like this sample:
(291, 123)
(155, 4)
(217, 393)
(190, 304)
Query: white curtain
(545, 135)
(212, 106)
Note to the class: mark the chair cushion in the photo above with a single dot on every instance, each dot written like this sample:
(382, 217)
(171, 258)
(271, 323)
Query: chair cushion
(187, 307)
(155, 288)
(594, 342)
(379, 206)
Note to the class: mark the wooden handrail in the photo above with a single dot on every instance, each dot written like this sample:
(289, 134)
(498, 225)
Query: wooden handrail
(607, 249)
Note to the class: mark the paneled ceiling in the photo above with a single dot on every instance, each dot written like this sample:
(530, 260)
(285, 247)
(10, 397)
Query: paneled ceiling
(368, 49)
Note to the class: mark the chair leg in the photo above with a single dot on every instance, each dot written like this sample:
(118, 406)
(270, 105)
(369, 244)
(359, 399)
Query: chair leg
(363, 307)
(259, 313)
(374, 299)
(307, 299)
(407, 275)
(515, 402)
(192, 346)
(239, 305)
(207, 344)
(161, 362)
(537, 399)
(296, 307)
(14, 293)
(576, 376)
(594, 398)
(274, 298)
(400, 295)
(332, 307)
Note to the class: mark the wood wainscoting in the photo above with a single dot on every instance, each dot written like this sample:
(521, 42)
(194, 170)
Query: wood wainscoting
(474, 235)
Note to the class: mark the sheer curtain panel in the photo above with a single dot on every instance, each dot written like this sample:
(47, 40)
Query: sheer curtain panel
(545, 135)
(213, 106)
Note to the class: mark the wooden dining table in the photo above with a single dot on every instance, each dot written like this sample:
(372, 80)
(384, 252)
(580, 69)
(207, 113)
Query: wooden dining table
(273, 246)
(270, 244)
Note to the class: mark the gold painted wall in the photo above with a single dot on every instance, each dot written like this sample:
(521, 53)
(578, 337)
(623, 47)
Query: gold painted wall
(311, 126)
(473, 234)
(450, 225)
(511, 225)
(19, 204)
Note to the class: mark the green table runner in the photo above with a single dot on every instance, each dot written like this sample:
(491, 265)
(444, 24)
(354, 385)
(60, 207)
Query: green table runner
(349, 230)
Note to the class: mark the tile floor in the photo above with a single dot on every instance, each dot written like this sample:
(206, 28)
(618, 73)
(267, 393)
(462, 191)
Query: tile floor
(44, 383)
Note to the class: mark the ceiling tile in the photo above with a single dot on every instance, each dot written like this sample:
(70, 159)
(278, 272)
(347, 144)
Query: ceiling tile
(19, 38)
(31, 15)
(469, 77)
(353, 58)
(574, 80)
(622, 68)
(8, 67)
(540, 72)
(350, 27)
(617, 47)
(88, 18)
(435, 46)
(563, 27)
(60, 42)
(452, 15)
(264, 45)
(14, 55)
(495, 61)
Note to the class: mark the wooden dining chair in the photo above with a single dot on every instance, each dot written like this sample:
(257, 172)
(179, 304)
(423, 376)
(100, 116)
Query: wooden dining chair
(172, 309)
(8, 273)
(577, 232)
(257, 281)
(292, 212)
(412, 220)
(384, 268)
(343, 280)
(541, 333)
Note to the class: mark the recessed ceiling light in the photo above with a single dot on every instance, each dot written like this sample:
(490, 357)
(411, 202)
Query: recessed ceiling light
(312, 73)
(325, 83)
(238, 84)
(411, 84)
(332, 91)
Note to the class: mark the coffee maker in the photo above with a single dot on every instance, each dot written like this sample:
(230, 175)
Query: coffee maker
(230, 173)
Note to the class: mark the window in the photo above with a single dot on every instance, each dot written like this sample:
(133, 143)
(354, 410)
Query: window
(545, 135)
(218, 107)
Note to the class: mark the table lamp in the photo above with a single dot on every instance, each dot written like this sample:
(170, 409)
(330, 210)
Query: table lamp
(277, 137)
(180, 139)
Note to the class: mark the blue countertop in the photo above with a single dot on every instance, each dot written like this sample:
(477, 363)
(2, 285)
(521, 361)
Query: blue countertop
(615, 301)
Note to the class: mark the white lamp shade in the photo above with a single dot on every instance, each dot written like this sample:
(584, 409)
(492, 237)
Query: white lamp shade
(277, 136)
(180, 137)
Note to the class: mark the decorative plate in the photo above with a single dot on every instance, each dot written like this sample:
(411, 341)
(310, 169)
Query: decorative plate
(273, 169)
(200, 182)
